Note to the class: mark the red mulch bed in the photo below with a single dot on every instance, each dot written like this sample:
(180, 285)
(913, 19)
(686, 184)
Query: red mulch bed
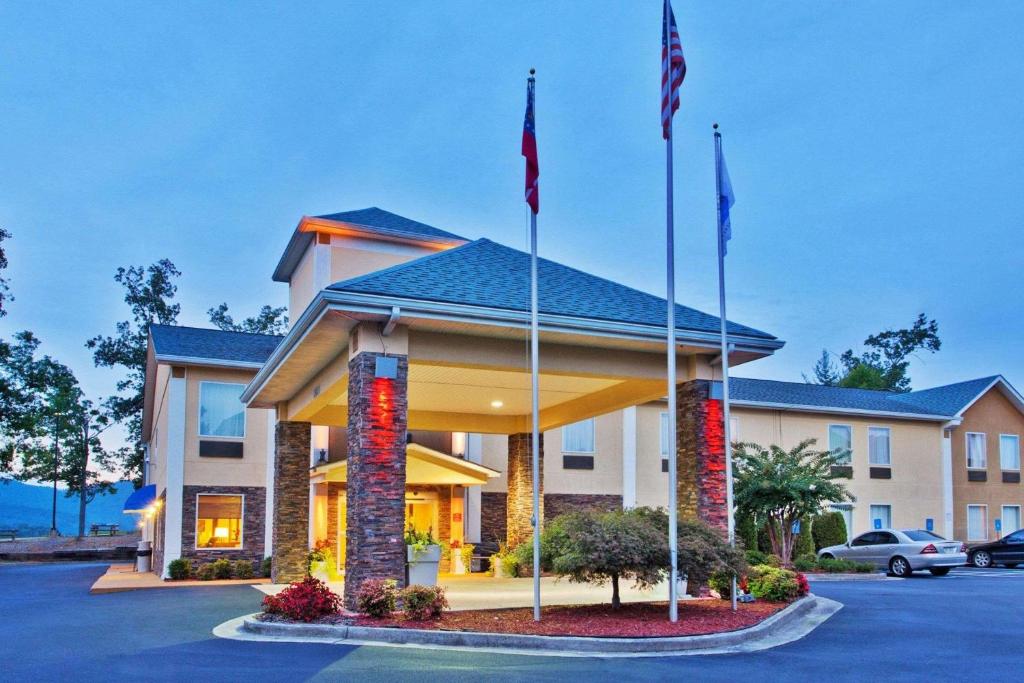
(632, 620)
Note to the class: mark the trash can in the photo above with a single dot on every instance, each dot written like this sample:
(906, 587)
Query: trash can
(143, 556)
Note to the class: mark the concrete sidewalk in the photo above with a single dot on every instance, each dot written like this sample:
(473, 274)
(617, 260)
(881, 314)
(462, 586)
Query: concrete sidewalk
(123, 577)
(480, 591)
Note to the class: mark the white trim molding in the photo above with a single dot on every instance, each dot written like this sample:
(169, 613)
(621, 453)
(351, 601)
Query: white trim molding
(175, 471)
(629, 446)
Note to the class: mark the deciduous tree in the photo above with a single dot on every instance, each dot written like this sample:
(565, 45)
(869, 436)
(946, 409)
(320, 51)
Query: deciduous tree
(269, 320)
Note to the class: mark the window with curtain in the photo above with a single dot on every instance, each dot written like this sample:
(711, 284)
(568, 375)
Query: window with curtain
(882, 513)
(218, 521)
(1011, 518)
(578, 437)
(664, 436)
(977, 523)
(1009, 452)
(221, 412)
(840, 439)
(976, 456)
(878, 446)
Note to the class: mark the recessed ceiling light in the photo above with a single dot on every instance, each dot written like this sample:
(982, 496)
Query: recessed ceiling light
(497, 404)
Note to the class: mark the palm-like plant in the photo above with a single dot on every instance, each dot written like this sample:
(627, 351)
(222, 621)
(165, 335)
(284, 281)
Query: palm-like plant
(782, 486)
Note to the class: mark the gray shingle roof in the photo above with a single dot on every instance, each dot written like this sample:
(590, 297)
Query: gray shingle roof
(202, 343)
(374, 218)
(945, 401)
(484, 273)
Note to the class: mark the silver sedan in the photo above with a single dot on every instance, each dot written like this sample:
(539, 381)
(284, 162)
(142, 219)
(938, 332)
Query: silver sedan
(901, 551)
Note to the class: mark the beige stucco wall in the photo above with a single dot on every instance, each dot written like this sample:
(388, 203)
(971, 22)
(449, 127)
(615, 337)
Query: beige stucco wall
(158, 438)
(992, 415)
(915, 490)
(250, 469)
(300, 287)
(651, 482)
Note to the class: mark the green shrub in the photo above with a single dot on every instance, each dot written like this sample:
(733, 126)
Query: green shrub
(266, 567)
(746, 531)
(377, 597)
(205, 572)
(804, 543)
(755, 557)
(179, 569)
(773, 583)
(828, 529)
(466, 553)
(805, 563)
(721, 583)
(423, 602)
(245, 569)
(222, 569)
(510, 564)
(839, 565)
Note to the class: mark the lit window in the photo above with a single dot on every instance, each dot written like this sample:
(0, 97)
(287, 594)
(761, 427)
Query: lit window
(840, 441)
(976, 456)
(878, 446)
(578, 437)
(1011, 518)
(977, 522)
(218, 521)
(881, 516)
(664, 436)
(1009, 452)
(221, 412)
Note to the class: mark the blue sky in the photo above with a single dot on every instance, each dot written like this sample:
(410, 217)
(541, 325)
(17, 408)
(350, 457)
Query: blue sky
(874, 148)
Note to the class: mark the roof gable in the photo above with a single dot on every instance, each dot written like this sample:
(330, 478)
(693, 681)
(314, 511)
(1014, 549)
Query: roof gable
(203, 344)
(823, 397)
(484, 273)
(954, 399)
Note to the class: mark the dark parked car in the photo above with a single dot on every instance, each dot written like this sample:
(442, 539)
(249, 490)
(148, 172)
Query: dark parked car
(1007, 551)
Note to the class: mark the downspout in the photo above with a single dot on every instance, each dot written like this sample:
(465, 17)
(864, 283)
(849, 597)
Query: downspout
(947, 477)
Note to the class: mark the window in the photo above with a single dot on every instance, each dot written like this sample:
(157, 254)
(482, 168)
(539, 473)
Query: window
(883, 514)
(976, 457)
(977, 522)
(578, 437)
(219, 521)
(1009, 452)
(221, 412)
(1011, 518)
(1015, 538)
(665, 438)
(884, 537)
(840, 439)
(734, 429)
(864, 539)
(878, 446)
(921, 535)
(846, 510)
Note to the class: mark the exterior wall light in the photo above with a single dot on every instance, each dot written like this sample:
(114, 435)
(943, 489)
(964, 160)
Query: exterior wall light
(497, 403)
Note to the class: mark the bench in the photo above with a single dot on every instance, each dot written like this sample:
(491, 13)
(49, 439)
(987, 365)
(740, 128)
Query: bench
(103, 530)
(9, 534)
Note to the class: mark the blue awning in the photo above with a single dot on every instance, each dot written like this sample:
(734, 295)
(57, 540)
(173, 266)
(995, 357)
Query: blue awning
(140, 499)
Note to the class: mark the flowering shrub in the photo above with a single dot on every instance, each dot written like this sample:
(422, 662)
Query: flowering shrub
(423, 602)
(377, 597)
(773, 583)
(802, 587)
(305, 600)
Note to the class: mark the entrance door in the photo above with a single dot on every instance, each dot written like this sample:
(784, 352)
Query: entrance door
(342, 531)
(421, 512)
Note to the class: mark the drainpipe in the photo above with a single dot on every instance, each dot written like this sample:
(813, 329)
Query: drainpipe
(947, 478)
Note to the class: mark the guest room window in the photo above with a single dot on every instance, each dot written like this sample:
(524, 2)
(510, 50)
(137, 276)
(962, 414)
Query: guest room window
(977, 459)
(878, 446)
(221, 412)
(977, 522)
(219, 521)
(840, 440)
(578, 437)
(1009, 452)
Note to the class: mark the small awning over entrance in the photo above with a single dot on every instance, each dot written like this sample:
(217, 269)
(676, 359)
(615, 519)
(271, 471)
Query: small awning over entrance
(422, 466)
(140, 499)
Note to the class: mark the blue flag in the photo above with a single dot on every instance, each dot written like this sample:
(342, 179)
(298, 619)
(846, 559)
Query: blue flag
(725, 201)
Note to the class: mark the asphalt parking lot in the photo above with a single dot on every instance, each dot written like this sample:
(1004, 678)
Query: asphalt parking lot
(923, 628)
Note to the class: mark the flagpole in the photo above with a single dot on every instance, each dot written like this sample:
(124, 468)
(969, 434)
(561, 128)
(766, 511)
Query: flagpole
(535, 397)
(725, 353)
(670, 297)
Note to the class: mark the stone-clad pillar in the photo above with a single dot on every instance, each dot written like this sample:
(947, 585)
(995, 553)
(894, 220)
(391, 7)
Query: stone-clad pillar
(519, 502)
(291, 501)
(377, 422)
(701, 485)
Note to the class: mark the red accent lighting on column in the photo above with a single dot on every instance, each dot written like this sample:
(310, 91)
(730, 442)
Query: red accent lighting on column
(714, 434)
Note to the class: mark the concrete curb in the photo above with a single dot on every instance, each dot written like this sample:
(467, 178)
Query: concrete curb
(825, 578)
(787, 625)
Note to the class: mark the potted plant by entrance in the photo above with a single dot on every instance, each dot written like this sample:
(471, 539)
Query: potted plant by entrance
(423, 557)
(463, 557)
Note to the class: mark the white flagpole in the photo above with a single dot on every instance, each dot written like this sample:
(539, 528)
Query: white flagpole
(725, 352)
(670, 296)
(535, 398)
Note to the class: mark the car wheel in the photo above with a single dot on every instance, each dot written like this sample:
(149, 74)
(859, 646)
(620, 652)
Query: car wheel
(827, 556)
(1011, 565)
(939, 571)
(982, 559)
(899, 567)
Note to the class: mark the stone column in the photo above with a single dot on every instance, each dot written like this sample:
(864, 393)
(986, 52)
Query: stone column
(377, 423)
(519, 502)
(701, 485)
(291, 501)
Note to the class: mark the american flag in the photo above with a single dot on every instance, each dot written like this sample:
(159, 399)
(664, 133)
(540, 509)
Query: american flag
(670, 83)
(530, 152)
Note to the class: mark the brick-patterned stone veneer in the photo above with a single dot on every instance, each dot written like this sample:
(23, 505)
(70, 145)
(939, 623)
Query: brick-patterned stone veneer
(493, 517)
(253, 516)
(519, 504)
(444, 522)
(377, 422)
(291, 501)
(559, 503)
(701, 481)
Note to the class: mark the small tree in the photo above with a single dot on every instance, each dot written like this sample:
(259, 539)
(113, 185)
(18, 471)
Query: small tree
(269, 320)
(598, 547)
(783, 486)
(829, 529)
